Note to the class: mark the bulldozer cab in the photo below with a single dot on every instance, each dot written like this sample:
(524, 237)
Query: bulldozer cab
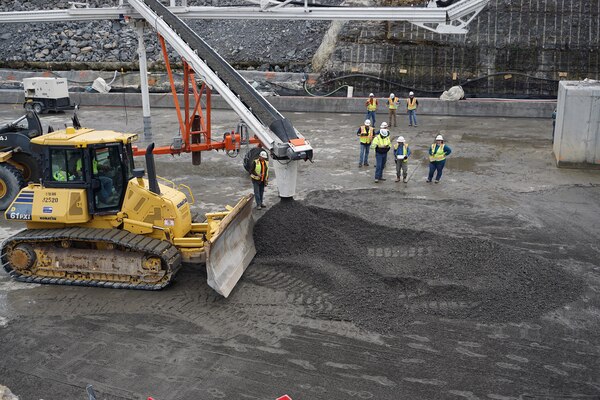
(103, 170)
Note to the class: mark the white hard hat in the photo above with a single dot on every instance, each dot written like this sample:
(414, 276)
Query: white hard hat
(263, 154)
(371, 95)
(384, 132)
(383, 125)
(400, 139)
(439, 137)
(392, 95)
(367, 122)
(411, 94)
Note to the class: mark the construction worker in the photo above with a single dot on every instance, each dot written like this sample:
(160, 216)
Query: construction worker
(382, 145)
(437, 158)
(401, 154)
(411, 107)
(371, 105)
(105, 192)
(392, 103)
(365, 135)
(260, 177)
(59, 172)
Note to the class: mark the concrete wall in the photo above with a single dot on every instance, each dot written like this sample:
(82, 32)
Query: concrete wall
(342, 105)
(577, 133)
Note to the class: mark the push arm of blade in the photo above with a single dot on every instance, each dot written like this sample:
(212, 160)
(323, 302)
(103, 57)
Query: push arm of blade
(199, 227)
(143, 227)
(189, 242)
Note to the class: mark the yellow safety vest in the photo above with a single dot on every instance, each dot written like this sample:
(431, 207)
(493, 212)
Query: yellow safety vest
(60, 176)
(438, 155)
(261, 170)
(393, 103)
(371, 104)
(366, 135)
(94, 166)
(412, 103)
(404, 152)
(380, 141)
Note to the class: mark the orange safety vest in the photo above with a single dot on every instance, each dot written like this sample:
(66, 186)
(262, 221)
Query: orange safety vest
(412, 105)
(366, 135)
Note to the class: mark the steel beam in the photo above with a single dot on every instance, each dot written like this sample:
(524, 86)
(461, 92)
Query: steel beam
(416, 15)
(410, 14)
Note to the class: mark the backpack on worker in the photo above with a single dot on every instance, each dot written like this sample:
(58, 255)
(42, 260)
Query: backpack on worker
(250, 156)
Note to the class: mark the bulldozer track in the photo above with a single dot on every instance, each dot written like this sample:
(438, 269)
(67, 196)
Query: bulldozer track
(169, 255)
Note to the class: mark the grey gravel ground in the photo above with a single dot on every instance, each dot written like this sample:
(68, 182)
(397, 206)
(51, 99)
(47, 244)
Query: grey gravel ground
(304, 322)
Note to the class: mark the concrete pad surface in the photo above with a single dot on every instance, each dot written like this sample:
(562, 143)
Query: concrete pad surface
(278, 333)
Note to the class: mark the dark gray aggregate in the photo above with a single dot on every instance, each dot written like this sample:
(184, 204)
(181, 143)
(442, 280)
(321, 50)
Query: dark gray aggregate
(380, 277)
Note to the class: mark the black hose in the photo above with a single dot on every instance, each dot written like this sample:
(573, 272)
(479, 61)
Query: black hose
(435, 92)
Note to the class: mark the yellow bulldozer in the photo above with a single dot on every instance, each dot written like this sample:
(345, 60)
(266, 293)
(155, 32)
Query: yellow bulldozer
(96, 220)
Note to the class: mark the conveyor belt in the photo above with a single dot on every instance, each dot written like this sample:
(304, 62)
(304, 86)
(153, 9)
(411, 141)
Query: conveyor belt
(258, 105)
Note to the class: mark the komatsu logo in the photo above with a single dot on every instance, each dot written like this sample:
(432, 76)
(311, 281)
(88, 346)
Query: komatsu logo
(181, 203)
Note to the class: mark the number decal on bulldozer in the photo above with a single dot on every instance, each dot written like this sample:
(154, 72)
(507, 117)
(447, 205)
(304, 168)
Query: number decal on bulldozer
(20, 212)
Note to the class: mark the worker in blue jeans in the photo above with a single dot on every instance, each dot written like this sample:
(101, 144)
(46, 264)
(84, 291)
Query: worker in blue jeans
(437, 158)
(382, 145)
(371, 105)
(411, 108)
(259, 172)
(365, 135)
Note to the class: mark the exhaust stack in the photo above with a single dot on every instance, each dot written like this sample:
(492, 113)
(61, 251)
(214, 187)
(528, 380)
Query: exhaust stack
(152, 181)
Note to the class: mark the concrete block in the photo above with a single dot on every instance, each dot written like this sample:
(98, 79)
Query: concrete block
(577, 131)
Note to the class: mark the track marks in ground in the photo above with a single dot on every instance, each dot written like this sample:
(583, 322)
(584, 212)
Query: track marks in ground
(297, 291)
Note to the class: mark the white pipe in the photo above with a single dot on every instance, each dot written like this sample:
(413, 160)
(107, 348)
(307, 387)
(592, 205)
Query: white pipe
(286, 173)
(139, 29)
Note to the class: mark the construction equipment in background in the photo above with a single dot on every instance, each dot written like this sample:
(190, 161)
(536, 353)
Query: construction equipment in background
(46, 94)
(93, 220)
(271, 130)
(19, 162)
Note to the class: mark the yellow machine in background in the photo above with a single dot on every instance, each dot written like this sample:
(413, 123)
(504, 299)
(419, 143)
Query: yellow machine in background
(95, 221)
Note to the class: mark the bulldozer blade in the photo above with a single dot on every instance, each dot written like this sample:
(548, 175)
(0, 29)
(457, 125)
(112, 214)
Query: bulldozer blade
(231, 248)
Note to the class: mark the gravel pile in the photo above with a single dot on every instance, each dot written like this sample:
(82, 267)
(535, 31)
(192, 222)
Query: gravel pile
(381, 277)
(247, 44)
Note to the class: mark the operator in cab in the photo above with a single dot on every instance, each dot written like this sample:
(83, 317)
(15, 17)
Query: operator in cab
(105, 192)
